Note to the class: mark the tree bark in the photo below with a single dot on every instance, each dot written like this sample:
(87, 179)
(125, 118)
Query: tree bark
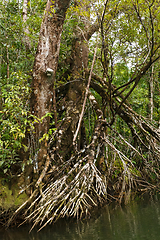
(7, 62)
(151, 93)
(44, 71)
(25, 27)
(74, 95)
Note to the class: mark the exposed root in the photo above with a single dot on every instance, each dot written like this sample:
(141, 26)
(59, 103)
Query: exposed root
(73, 193)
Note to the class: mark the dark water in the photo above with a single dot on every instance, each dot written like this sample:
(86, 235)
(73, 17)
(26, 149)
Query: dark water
(137, 221)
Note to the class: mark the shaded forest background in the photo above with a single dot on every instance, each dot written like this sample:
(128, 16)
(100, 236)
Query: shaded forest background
(83, 128)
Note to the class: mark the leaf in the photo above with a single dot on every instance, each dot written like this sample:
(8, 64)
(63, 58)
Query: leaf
(5, 170)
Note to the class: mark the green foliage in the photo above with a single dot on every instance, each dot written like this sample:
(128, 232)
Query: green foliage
(17, 62)
(140, 98)
(12, 35)
(122, 73)
(15, 93)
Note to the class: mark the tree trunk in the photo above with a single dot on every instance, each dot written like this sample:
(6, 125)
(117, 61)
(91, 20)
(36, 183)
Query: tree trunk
(151, 92)
(44, 71)
(7, 62)
(25, 27)
(74, 94)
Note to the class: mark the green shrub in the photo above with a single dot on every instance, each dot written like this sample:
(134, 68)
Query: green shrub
(14, 94)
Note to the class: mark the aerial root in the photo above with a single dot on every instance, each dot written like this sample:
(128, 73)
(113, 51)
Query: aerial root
(73, 194)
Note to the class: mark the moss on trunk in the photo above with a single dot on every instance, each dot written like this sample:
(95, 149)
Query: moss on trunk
(10, 197)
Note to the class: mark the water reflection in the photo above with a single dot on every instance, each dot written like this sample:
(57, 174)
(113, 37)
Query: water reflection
(136, 221)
